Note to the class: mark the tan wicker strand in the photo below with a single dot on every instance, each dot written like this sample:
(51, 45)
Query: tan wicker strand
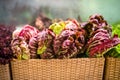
(58, 69)
(4, 72)
(112, 69)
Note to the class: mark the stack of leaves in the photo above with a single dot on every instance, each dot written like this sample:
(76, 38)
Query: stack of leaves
(69, 38)
(41, 22)
(100, 40)
(20, 42)
(5, 43)
(42, 44)
(115, 52)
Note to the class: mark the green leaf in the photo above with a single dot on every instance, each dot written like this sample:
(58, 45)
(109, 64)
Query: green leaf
(116, 51)
(25, 56)
(41, 49)
(57, 27)
(116, 29)
(118, 48)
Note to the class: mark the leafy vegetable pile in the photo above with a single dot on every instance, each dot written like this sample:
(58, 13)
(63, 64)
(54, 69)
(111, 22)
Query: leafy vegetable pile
(115, 52)
(41, 22)
(70, 40)
(20, 42)
(5, 43)
(100, 40)
(65, 39)
(42, 44)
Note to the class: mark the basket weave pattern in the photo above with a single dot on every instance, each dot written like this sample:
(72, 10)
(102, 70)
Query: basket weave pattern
(112, 69)
(4, 72)
(58, 69)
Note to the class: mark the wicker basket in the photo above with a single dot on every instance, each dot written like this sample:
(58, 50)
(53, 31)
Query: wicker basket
(4, 72)
(112, 69)
(58, 69)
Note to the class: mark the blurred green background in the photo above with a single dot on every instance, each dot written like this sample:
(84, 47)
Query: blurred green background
(19, 12)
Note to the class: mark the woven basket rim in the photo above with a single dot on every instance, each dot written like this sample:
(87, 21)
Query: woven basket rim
(57, 59)
(72, 59)
(112, 58)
